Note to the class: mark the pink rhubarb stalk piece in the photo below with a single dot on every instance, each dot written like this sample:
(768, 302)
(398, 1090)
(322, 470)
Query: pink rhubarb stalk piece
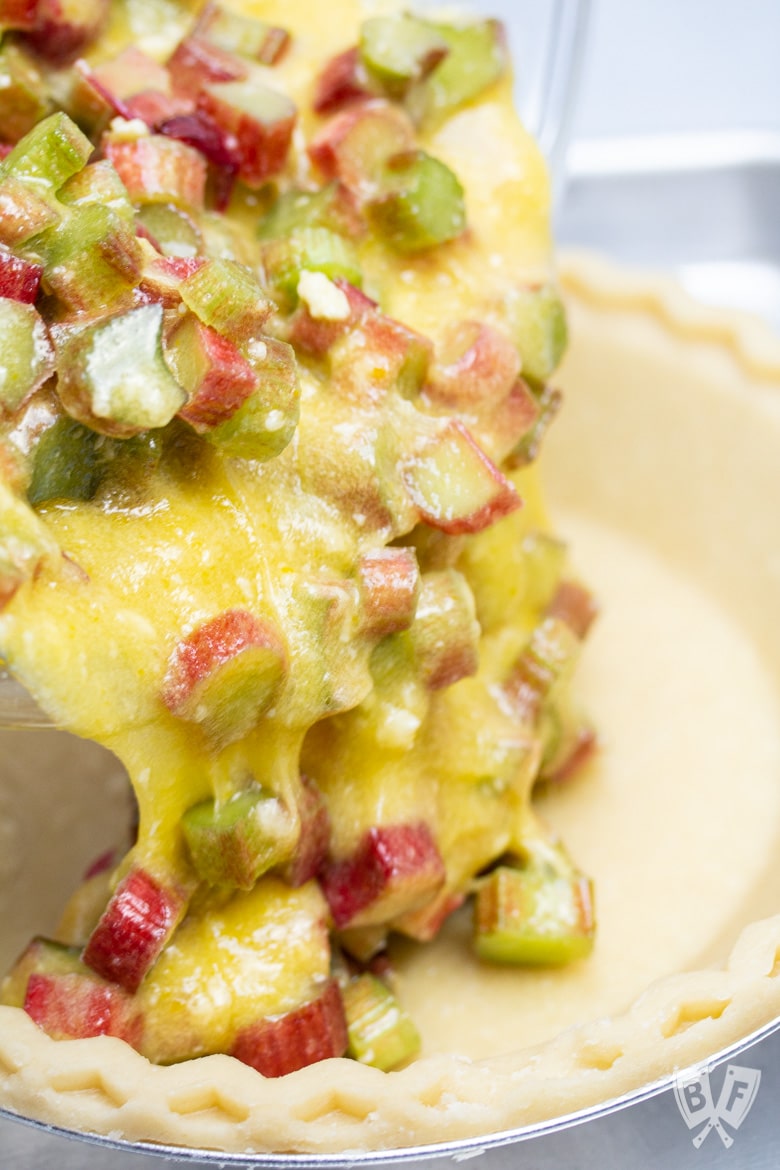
(283, 1044)
(389, 581)
(74, 1006)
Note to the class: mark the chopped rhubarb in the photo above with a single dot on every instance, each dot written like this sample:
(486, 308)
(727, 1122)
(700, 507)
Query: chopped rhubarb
(113, 377)
(389, 580)
(232, 843)
(537, 323)
(202, 134)
(98, 182)
(140, 918)
(454, 485)
(445, 632)
(227, 297)
(399, 50)
(50, 153)
(25, 543)
(379, 1031)
(310, 249)
(20, 279)
(199, 61)
(66, 464)
(26, 354)
(372, 354)
(157, 168)
(575, 605)
(535, 915)
(24, 94)
(420, 204)
(283, 1044)
(527, 449)
(342, 81)
(162, 275)
(394, 869)
(332, 207)
(75, 1006)
(217, 378)
(265, 422)
(171, 230)
(548, 657)
(355, 145)
(92, 261)
(313, 839)
(259, 119)
(18, 14)
(225, 674)
(23, 211)
(478, 367)
(476, 58)
(64, 28)
(245, 35)
(41, 955)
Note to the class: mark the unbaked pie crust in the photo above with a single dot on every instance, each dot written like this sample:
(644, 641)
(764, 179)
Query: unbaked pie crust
(663, 470)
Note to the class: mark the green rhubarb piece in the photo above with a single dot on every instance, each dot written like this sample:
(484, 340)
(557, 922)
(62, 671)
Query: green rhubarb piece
(24, 212)
(380, 1033)
(544, 558)
(544, 665)
(24, 95)
(42, 956)
(421, 204)
(534, 916)
(264, 424)
(314, 249)
(26, 355)
(113, 377)
(297, 208)
(92, 259)
(445, 633)
(228, 297)
(527, 450)
(173, 230)
(537, 323)
(65, 463)
(50, 153)
(398, 50)
(476, 58)
(234, 842)
(98, 182)
(245, 35)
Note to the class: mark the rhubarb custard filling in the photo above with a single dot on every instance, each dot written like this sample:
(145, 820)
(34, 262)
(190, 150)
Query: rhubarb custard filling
(277, 334)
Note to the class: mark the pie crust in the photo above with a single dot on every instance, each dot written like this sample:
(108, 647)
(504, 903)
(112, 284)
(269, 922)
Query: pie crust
(663, 469)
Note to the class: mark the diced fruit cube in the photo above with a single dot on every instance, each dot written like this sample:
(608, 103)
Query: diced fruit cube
(454, 485)
(283, 1044)
(204, 135)
(261, 121)
(228, 297)
(50, 153)
(265, 422)
(141, 916)
(26, 354)
(533, 916)
(66, 463)
(379, 1031)
(24, 212)
(398, 50)
(537, 323)
(217, 378)
(232, 843)
(24, 95)
(476, 58)
(395, 868)
(309, 249)
(342, 81)
(527, 449)
(225, 674)
(198, 61)
(162, 275)
(445, 632)
(25, 543)
(92, 260)
(478, 366)
(575, 605)
(421, 203)
(389, 580)
(75, 1006)
(355, 145)
(424, 924)
(129, 73)
(313, 839)
(98, 182)
(64, 28)
(245, 35)
(546, 659)
(113, 378)
(331, 207)
(171, 230)
(377, 355)
(157, 169)
(41, 955)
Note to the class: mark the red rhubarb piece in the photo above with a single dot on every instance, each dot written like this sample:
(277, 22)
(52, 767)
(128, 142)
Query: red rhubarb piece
(258, 119)
(314, 840)
(75, 1006)
(282, 1044)
(197, 61)
(575, 605)
(343, 80)
(389, 581)
(64, 28)
(19, 279)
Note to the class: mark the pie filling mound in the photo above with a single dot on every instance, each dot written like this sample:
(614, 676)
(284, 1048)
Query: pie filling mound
(276, 369)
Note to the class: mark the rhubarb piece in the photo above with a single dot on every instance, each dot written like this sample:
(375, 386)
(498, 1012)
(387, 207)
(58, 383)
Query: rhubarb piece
(202, 134)
(24, 212)
(113, 378)
(389, 580)
(25, 544)
(92, 260)
(66, 463)
(547, 658)
(140, 918)
(18, 14)
(399, 50)
(572, 749)
(478, 366)
(343, 80)
(259, 119)
(313, 839)
(330, 207)
(537, 323)
(283, 1044)
(265, 422)
(312, 249)
(24, 95)
(445, 632)
(538, 915)
(395, 868)
(527, 450)
(20, 279)
(172, 230)
(380, 1033)
(245, 35)
(475, 59)
(217, 378)
(574, 604)
(75, 1006)
(64, 28)
(225, 674)
(355, 145)
(41, 955)
(424, 924)
(421, 203)
(545, 559)
(162, 276)
(49, 154)
(98, 182)
(454, 485)
(26, 354)
(234, 842)
(199, 61)
(121, 78)
(227, 297)
(157, 169)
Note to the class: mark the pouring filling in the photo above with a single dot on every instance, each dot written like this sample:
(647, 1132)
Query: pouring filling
(274, 372)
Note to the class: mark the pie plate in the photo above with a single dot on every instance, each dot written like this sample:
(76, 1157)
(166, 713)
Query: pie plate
(662, 473)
